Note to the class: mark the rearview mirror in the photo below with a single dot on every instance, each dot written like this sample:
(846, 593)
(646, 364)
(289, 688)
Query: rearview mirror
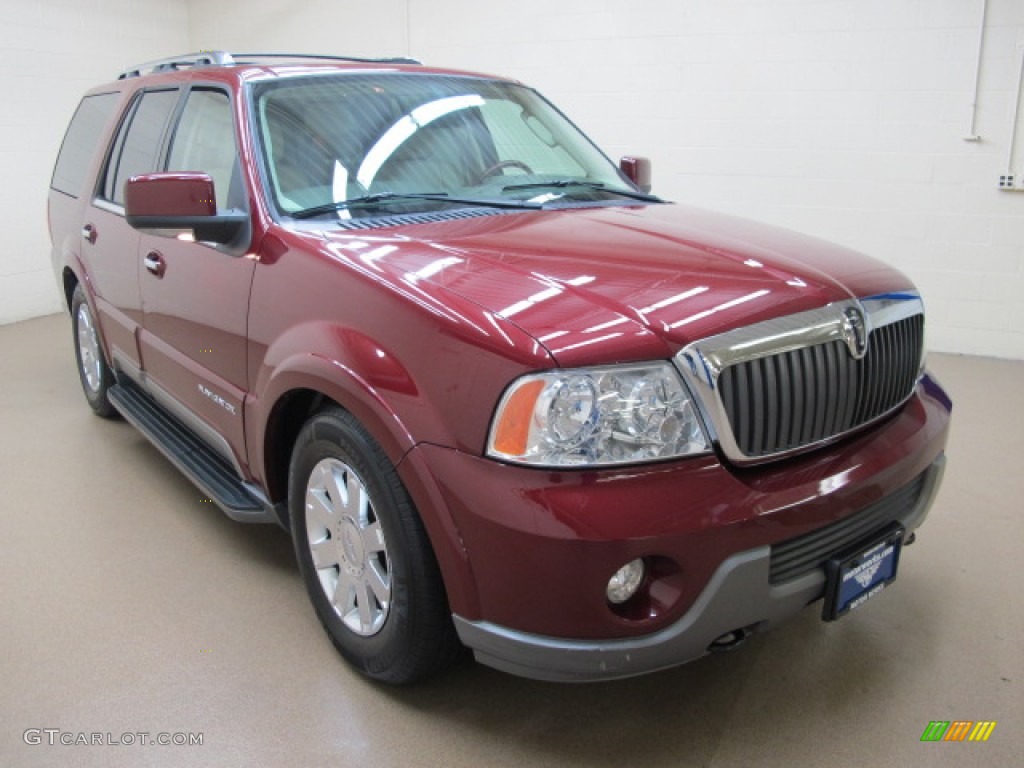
(183, 200)
(637, 170)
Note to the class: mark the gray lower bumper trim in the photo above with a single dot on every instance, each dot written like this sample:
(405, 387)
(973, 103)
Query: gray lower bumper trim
(738, 596)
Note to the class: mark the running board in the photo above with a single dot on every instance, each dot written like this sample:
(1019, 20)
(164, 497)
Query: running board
(207, 469)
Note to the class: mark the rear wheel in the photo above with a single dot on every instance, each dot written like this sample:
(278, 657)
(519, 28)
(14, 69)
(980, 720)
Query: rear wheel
(93, 371)
(367, 562)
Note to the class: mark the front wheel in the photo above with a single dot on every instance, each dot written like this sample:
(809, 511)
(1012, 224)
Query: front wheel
(363, 553)
(93, 371)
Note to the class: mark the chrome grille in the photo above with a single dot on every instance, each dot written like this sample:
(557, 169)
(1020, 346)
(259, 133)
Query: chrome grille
(782, 386)
(803, 396)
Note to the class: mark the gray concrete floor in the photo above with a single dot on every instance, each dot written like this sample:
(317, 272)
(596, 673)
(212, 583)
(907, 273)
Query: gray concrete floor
(129, 605)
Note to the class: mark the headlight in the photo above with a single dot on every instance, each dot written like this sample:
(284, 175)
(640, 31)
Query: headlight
(591, 416)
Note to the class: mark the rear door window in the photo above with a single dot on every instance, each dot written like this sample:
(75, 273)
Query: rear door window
(137, 148)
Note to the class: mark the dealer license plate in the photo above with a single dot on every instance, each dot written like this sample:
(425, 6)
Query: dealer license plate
(853, 578)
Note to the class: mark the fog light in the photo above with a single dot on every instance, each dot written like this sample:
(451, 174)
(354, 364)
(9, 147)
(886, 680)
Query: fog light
(626, 581)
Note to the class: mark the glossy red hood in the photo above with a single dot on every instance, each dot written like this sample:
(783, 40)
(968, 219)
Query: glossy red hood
(625, 283)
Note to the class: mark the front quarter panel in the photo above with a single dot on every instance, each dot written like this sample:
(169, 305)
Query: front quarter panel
(413, 368)
(430, 365)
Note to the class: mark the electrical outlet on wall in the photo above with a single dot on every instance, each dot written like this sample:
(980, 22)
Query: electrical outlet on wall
(1011, 181)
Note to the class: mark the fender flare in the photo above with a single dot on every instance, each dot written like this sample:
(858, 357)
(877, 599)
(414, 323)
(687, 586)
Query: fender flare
(340, 383)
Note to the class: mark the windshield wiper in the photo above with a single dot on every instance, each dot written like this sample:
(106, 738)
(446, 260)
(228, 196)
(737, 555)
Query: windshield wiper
(562, 183)
(389, 197)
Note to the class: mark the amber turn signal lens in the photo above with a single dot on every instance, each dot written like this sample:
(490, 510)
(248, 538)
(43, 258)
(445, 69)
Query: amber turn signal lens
(512, 432)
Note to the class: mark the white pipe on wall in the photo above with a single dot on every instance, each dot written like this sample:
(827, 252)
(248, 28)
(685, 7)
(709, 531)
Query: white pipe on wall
(1012, 143)
(972, 133)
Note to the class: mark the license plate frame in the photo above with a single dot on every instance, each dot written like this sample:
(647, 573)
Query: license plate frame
(856, 575)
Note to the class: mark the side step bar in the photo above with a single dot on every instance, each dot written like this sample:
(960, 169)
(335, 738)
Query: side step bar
(211, 473)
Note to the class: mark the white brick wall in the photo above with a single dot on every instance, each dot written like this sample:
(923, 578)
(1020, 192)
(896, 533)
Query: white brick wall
(840, 118)
(51, 51)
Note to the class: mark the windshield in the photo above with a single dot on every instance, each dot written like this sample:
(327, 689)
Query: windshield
(396, 142)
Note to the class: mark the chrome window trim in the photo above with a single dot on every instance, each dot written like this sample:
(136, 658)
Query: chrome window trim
(109, 207)
(701, 363)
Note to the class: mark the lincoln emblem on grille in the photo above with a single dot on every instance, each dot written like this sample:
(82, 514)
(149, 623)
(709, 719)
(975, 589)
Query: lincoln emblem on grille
(855, 332)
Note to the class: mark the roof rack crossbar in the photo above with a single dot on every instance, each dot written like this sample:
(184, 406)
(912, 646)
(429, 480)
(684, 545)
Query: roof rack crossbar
(223, 59)
(197, 59)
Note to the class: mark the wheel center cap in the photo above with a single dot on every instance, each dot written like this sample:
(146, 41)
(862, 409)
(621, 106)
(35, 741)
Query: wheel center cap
(352, 546)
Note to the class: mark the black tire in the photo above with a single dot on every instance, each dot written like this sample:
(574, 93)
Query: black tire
(93, 372)
(412, 636)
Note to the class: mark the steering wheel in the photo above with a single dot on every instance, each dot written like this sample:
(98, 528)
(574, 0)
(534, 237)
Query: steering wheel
(502, 165)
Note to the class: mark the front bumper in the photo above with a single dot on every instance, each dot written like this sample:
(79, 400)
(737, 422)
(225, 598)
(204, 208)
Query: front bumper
(739, 598)
(534, 549)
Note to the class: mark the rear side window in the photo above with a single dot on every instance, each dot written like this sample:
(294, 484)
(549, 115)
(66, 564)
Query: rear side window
(138, 142)
(81, 142)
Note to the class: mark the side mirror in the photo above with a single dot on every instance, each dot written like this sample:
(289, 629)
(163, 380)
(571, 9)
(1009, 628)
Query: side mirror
(637, 170)
(183, 200)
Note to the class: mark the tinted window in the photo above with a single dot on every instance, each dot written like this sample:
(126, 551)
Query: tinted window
(142, 142)
(111, 170)
(81, 142)
(205, 141)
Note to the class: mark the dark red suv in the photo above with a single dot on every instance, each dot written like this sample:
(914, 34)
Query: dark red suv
(501, 395)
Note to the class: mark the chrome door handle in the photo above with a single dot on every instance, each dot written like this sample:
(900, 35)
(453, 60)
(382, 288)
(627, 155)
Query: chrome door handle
(89, 233)
(155, 263)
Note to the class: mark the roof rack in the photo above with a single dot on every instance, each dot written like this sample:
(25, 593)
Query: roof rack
(359, 59)
(225, 59)
(198, 59)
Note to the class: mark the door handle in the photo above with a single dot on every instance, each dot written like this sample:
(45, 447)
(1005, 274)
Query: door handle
(155, 263)
(89, 234)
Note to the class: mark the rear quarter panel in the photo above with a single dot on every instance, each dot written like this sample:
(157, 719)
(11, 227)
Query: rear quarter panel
(69, 252)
